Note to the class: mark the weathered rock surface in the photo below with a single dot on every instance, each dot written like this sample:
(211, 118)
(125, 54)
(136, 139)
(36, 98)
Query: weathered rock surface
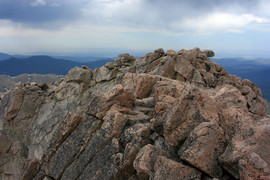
(168, 115)
(203, 147)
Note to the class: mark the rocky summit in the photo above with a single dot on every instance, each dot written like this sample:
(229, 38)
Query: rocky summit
(168, 115)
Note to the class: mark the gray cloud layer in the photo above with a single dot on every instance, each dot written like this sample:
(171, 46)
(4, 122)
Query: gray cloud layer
(130, 13)
(69, 25)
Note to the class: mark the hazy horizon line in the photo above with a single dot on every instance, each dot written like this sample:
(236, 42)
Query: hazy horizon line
(111, 53)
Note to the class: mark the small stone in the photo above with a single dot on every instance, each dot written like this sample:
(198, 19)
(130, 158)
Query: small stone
(145, 160)
(209, 53)
(171, 52)
(85, 67)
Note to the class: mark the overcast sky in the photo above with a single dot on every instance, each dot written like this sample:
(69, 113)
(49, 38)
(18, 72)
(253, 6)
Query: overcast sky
(236, 27)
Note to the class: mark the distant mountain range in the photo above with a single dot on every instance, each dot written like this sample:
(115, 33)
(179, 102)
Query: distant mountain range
(83, 58)
(43, 65)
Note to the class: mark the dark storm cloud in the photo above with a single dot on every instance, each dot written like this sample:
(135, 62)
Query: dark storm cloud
(36, 12)
(208, 4)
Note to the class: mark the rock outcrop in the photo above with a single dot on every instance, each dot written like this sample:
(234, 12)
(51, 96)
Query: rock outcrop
(7, 82)
(168, 115)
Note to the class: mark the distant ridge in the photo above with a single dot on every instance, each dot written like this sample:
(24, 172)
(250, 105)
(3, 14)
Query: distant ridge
(82, 59)
(4, 56)
(76, 58)
(43, 65)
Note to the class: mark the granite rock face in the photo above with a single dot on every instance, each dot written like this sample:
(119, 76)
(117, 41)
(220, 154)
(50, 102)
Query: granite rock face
(168, 115)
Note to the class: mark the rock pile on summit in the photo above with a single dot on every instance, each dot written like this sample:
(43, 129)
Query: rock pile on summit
(173, 115)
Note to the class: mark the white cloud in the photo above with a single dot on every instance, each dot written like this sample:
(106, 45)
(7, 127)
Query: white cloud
(113, 10)
(219, 23)
(38, 3)
(11, 29)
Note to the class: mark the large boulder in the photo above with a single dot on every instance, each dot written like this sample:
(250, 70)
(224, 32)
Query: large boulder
(203, 147)
(191, 109)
